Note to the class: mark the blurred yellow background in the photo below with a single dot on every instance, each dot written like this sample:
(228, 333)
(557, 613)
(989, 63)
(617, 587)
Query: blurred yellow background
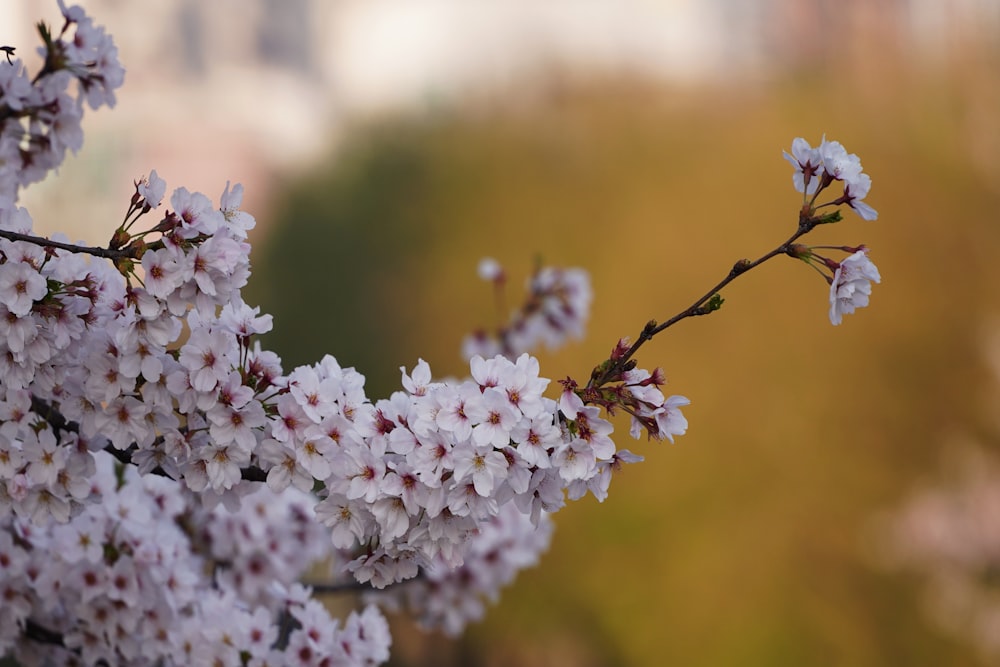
(757, 539)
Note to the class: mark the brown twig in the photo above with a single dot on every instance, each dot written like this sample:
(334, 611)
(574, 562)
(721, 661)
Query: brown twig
(58, 421)
(107, 253)
(616, 367)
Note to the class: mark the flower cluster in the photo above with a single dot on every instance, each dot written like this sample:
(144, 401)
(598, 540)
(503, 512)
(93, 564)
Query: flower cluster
(138, 578)
(153, 358)
(817, 168)
(101, 363)
(850, 279)
(107, 376)
(90, 359)
(40, 117)
(411, 478)
(852, 284)
(447, 598)
(556, 309)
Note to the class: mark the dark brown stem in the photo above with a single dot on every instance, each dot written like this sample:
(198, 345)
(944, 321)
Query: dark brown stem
(40, 633)
(44, 635)
(123, 253)
(618, 366)
(59, 423)
(327, 588)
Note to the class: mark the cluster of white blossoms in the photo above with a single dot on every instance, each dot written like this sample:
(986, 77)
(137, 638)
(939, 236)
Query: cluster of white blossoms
(556, 309)
(448, 598)
(41, 116)
(144, 576)
(815, 170)
(409, 479)
(852, 284)
(157, 465)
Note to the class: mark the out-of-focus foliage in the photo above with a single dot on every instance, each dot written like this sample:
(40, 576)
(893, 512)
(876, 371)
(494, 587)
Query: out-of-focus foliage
(750, 542)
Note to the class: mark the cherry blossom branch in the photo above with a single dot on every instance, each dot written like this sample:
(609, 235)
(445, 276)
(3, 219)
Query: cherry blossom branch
(41, 634)
(815, 170)
(354, 586)
(711, 301)
(59, 423)
(106, 253)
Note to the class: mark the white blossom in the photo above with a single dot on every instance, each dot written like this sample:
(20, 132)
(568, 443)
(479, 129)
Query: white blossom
(852, 285)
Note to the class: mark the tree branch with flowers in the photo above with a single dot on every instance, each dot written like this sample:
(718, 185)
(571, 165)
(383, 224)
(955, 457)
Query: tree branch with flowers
(165, 485)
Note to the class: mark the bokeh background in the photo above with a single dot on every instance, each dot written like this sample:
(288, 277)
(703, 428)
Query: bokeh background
(387, 145)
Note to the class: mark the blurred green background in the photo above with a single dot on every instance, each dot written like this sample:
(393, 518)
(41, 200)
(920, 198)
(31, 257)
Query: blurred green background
(754, 540)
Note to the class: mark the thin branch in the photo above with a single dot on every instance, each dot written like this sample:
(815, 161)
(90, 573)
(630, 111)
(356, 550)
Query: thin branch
(618, 366)
(43, 635)
(40, 633)
(59, 423)
(108, 253)
(342, 587)
(354, 586)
